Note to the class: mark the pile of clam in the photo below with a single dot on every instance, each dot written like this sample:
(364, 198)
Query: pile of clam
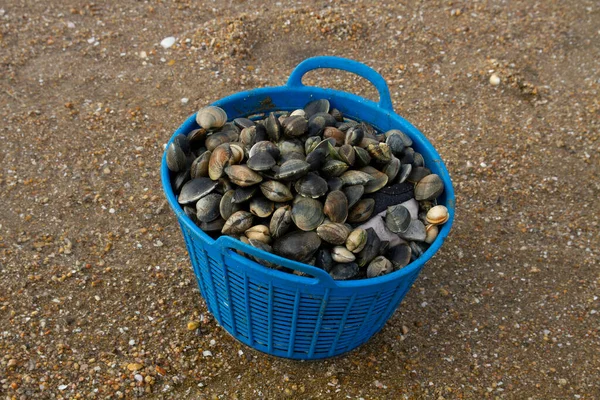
(311, 186)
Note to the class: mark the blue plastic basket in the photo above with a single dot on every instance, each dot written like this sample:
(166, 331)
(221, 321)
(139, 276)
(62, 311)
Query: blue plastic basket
(284, 314)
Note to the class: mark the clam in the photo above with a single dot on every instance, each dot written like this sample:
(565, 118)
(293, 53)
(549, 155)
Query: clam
(307, 213)
(323, 260)
(333, 233)
(405, 171)
(211, 117)
(417, 173)
(264, 146)
(223, 185)
(431, 232)
(290, 146)
(429, 187)
(264, 247)
(345, 271)
(197, 138)
(415, 232)
(293, 169)
(354, 135)
(407, 156)
(248, 136)
(316, 106)
(295, 125)
(318, 122)
(299, 111)
(379, 179)
(392, 169)
(345, 125)
(341, 254)
(380, 152)
(237, 223)
(397, 218)
(336, 206)
(334, 168)
(417, 249)
(336, 114)
(207, 208)
(237, 153)
(396, 144)
(243, 123)
(370, 250)
(243, 194)
(260, 233)
(273, 127)
(400, 256)
(281, 221)
(361, 157)
(311, 185)
(199, 167)
(334, 133)
(219, 138)
(347, 154)
(261, 206)
(361, 211)
(334, 184)
(311, 143)
(179, 180)
(276, 191)
(355, 177)
(191, 213)
(195, 189)
(212, 226)
(407, 141)
(262, 161)
(379, 266)
(219, 159)
(297, 245)
(243, 176)
(425, 205)
(356, 241)
(436, 215)
(227, 206)
(353, 194)
(418, 160)
(367, 141)
(176, 157)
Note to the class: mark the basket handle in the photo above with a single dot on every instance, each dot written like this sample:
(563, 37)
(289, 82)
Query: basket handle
(344, 64)
(227, 242)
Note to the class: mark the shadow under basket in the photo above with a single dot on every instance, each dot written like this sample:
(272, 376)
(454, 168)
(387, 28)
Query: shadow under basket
(284, 314)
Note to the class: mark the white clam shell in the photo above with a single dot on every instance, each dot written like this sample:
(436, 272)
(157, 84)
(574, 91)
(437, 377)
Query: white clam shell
(211, 117)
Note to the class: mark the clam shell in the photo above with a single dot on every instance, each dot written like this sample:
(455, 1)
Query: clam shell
(417, 249)
(347, 124)
(344, 271)
(436, 215)
(293, 169)
(281, 221)
(276, 191)
(335, 183)
(242, 194)
(295, 125)
(333, 233)
(405, 138)
(429, 188)
(199, 167)
(336, 114)
(396, 144)
(260, 233)
(334, 133)
(212, 226)
(273, 127)
(211, 117)
(297, 245)
(243, 176)
(261, 206)
(219, 159)
(197, 137)
(356, 241)
(324, 260)
(431, 232)
(336, 206)
(415, 232)
(418, 173)
(178, 180)
(264, 146)
(190, 211)
(227, 206)
(355, 177)
(341, 254)
(311, 185)
(380, 152)
(290, 146)
(334, 168)
(354, 135)
(238, 223)
(392, 169)
(195, 189)
(400, 256)
(397, 218)
(262, 161)
(379, 266)
(237, 153)
(307, 213)
(299, 111)
(311, 143)
(353, 194)
(379, 179)
(219, 138)
(370, 250)
(405, 171)
(407, 156)
(318, 122)
(207, 208)
(243, 123)
(361, 211)
(316, 106)
(362, 157)
(176, 157)
(418, 161)
(347, 154)
(316, 159)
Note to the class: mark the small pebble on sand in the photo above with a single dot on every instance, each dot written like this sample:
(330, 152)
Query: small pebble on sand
(494, 80)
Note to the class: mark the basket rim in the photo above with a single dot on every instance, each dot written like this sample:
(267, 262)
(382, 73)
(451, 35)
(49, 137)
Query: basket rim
(414, 133)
